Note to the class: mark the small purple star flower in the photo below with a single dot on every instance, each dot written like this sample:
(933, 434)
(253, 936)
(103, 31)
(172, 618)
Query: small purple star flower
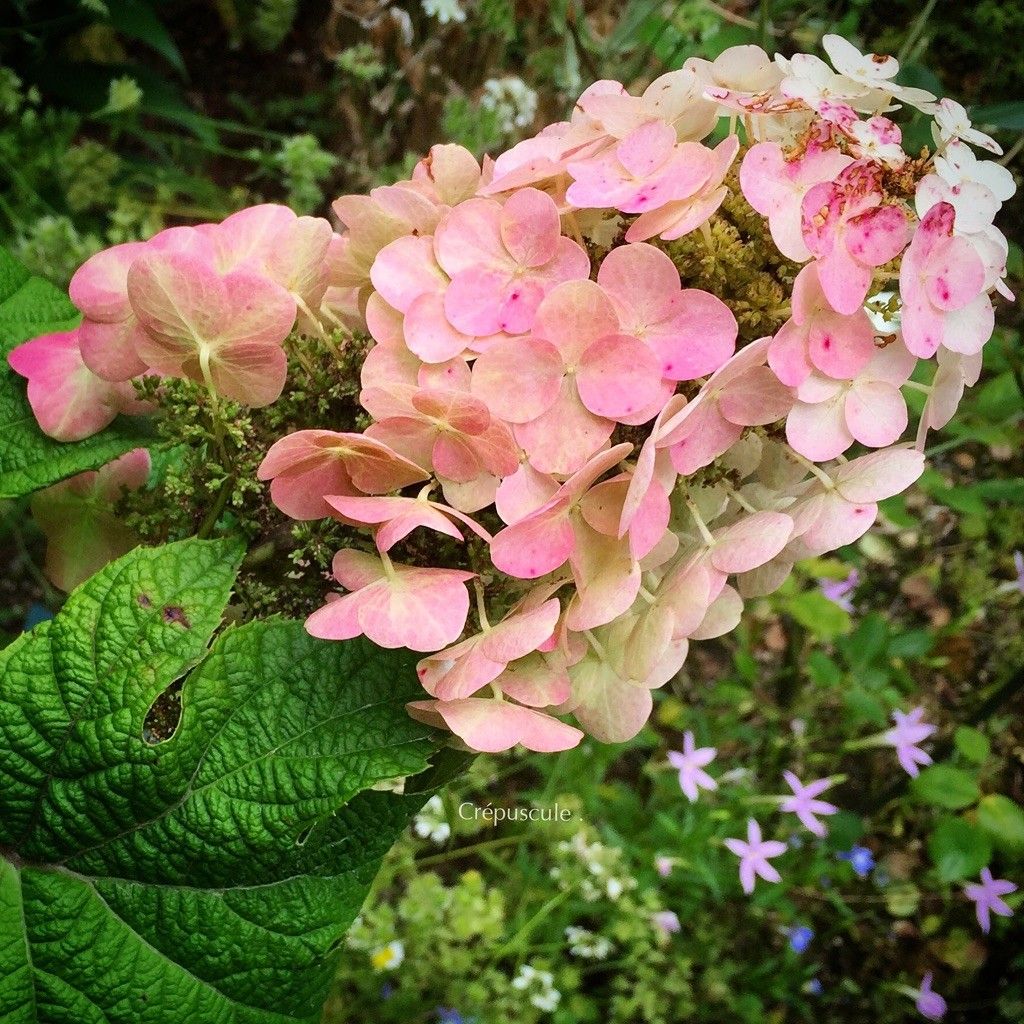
(754, 855)
(803, 804)
(905, 736)
(837, 591)
(691, 763)
(663, 865)
(988, 898)
(929, 1004)
(860, 858)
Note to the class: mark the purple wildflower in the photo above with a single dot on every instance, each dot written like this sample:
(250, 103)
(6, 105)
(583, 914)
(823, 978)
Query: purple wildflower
(1018, 564)
(754, 855)
(988, 898)
(666, 921)
(663, 865)
(837, 591)
(803, 804)
(929, 1004)
(691, 762)
(905, 736)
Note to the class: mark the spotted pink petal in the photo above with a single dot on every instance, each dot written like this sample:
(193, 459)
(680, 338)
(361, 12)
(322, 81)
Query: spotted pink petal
(536, 545)
(618, 376)
(878, 236)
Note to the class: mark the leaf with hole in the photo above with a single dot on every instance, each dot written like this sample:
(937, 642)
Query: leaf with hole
(187, 830)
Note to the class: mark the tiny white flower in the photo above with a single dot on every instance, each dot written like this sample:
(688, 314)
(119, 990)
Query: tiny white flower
(445, 11)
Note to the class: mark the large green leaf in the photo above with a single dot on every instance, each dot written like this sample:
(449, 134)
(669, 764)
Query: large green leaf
(29, 460)
(204, 871)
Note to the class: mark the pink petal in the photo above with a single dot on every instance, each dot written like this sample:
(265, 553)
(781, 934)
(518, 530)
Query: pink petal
(68, 400)
(878, 236)
(754, 398)
(879, 475)
(618, 376)
(530, 227)
(523, 492)
(751, 542)
(405, 269)
(428, 332)
(876, 413)
(493, 726)
(534, 546)
(563, 437)
(518, 379)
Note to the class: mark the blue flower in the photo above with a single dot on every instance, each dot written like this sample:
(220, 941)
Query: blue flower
(800, 937)
(813, 987)
(860, 858)
(36, 614)
(446, 1015)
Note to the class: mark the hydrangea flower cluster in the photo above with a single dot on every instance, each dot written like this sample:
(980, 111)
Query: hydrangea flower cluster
(607, 473)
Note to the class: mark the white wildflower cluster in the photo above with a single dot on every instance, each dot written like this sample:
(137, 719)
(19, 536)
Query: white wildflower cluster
(512, 100)
(432, 822)
(587, 945)
(603, 877)
(540, 985)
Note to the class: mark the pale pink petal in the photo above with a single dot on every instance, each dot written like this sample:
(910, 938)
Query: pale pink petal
(518, 379)
(534, 546)
(753, 541)
(876, 413)
(618, 376)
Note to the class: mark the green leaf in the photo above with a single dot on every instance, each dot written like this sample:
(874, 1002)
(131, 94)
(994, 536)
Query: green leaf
(138, 20)
(958, 849)
(1000, 115)
(203, 869)
(942, 785)
(1003, 820)
(814, 611)
(29, 460)
(971, 743)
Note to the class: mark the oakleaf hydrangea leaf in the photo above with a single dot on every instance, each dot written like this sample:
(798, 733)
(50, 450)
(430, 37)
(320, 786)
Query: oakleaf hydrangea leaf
(29, 460)
(186, 830)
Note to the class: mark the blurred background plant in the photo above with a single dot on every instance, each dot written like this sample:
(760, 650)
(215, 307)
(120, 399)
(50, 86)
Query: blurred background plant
(119, 117)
